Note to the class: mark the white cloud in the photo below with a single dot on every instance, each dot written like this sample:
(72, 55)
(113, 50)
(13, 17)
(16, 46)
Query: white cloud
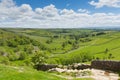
(67, 12)
(51, 17)
(7, 3)
(83, 11)
(108, 3)
(25, 8)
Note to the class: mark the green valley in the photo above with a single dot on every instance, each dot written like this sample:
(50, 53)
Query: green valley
(23, 48)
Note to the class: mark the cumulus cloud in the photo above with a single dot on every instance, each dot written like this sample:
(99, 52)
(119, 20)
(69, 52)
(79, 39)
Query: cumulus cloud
(25, 8)
(49, 16)
(7, 3)
(108, 3)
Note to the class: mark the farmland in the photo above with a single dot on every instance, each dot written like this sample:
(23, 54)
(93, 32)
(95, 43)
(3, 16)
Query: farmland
(29, 47)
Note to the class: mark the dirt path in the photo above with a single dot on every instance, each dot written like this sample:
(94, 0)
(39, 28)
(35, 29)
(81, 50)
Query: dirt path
(103, 75)
(96, 75)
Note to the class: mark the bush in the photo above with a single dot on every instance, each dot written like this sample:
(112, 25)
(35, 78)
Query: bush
(74, 58)
(39, 58)
(22, 56)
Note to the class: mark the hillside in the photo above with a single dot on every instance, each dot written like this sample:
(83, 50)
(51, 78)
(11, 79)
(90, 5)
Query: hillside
(24, 73)
(62, 46)
(30, 47)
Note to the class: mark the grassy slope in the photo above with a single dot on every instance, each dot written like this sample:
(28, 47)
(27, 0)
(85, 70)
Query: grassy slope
(24, 73)
(98, 46)
(42, 36)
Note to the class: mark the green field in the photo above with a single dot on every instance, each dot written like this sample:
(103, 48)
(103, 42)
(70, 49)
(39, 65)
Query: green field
(18, 47)
(59, 43)
(24, 73)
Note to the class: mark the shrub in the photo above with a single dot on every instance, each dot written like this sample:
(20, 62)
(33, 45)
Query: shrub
(39, 58)
(22, 56)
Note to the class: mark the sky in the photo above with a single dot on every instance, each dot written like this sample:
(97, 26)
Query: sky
(59, 13)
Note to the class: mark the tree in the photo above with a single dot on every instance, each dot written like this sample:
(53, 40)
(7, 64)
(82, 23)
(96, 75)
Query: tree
(39, 58)
(110, 56)
(63, 45)
(12, 43)
(22, 56)
(106, 50)
(49, 41)
(75, 46)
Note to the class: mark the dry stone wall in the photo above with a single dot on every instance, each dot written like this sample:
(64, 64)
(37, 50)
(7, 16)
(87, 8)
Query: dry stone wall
(106, 65)
(45, 67)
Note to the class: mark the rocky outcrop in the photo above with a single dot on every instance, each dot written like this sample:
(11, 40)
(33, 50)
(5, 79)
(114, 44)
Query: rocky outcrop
(79, 66)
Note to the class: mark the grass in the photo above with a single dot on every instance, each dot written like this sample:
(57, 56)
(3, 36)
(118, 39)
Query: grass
(27, 73)
(96, 47)
(24, 73)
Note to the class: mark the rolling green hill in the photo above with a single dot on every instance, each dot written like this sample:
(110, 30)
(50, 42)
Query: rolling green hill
(105, 47)
(62, 46)
(18, 47)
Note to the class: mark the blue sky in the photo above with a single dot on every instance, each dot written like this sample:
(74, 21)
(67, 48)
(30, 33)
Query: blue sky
(59, 13)
(61, 4)
(68, 4)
